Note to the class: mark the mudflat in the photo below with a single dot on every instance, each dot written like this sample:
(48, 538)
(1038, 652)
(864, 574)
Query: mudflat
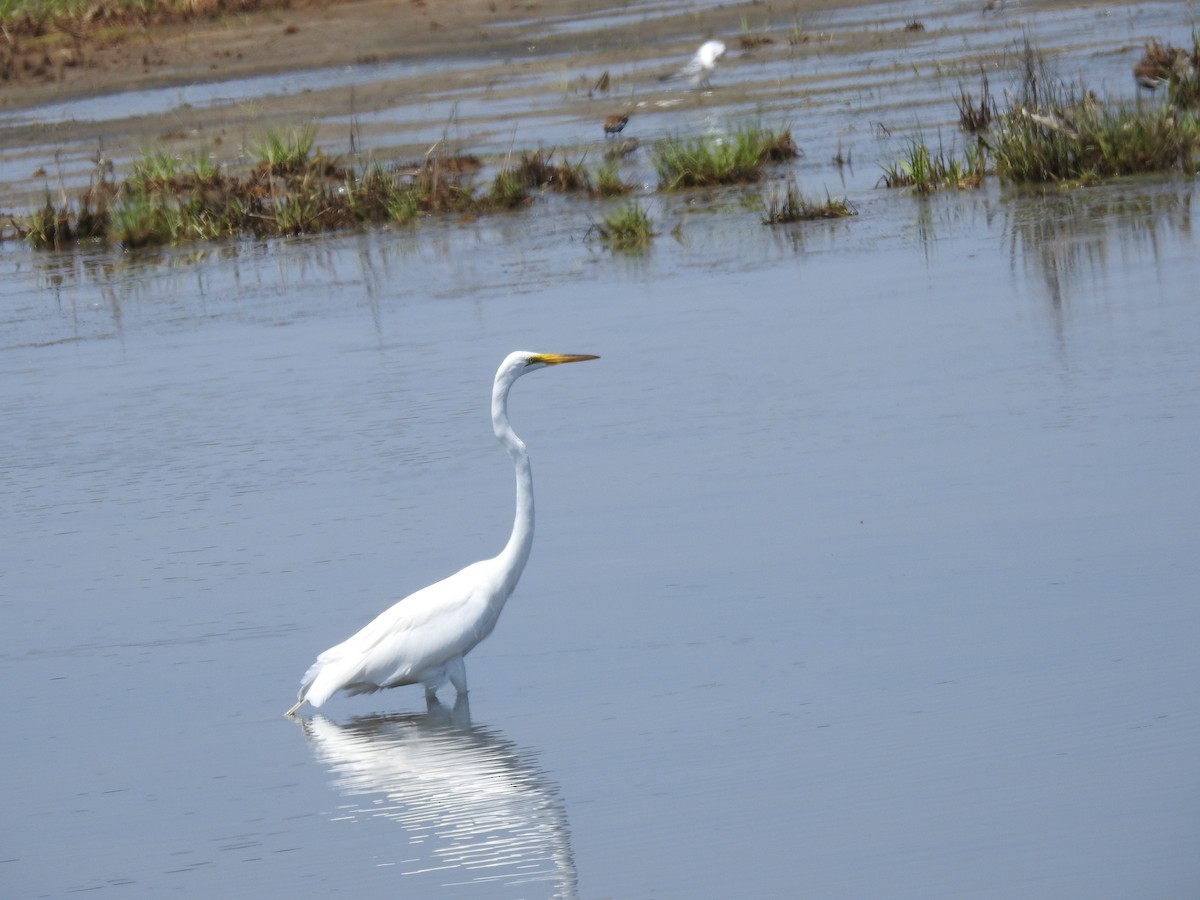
(97, 58)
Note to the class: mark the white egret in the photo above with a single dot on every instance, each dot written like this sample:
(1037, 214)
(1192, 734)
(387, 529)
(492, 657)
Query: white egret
(701, 66)
(424, 637)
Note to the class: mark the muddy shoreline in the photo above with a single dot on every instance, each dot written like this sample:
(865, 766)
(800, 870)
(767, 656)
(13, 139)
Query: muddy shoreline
(305, 34)
(395, 76)
(413, 53)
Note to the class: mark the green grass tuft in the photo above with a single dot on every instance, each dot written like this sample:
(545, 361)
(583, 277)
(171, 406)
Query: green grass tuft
(927, 172)
(627, 229)
(736, 159)
(608, 181)
(286, 153)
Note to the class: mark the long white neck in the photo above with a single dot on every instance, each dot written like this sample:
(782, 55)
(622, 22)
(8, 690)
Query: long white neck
(515, 554)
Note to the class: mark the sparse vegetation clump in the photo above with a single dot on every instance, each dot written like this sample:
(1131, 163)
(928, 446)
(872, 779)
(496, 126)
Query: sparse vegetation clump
(538, 170)
(57, 226)
(736, 159)
(509, 189)
(975, 117)
(792, 206)
(627, 229)
(927, 171)
(608, 181)
(749, 38)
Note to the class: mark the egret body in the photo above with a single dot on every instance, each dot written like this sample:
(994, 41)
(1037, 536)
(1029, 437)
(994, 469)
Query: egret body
(423, 638)
(704, 63)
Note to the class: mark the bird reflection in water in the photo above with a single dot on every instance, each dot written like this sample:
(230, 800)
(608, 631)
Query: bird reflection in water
(477, 808)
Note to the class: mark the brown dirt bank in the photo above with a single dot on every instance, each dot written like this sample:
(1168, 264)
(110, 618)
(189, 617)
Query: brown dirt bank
(102, 58)
(99, 58)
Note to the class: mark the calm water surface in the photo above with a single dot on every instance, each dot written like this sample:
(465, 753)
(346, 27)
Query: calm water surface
(865, 562)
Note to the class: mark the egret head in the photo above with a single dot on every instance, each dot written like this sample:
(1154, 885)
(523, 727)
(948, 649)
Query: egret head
(522, 362)
(710, 52)
(516, 364)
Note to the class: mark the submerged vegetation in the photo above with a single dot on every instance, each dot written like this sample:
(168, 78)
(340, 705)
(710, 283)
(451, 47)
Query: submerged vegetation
(792, 206)
(627, 229)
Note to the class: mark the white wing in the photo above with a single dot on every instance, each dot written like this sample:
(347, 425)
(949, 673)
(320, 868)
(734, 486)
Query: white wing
(422, 631)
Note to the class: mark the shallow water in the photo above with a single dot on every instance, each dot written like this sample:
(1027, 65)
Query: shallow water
(865, 561)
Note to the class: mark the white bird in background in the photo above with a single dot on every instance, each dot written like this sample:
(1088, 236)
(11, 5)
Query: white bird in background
(424, 637)
(704, 63)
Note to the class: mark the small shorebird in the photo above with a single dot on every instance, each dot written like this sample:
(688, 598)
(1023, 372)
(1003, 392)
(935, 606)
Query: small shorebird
(1158, 64)
(615, 124)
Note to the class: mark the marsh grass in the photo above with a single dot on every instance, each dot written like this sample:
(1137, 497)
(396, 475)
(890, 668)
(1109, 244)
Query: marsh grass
(607, 181)
(792, 206)
(797, 35)
(538, 170)
(1056, 132)
(167, 200)
(1083, 141)
(57, 226)
(292, 188)
(973, 116)
(928, 171)
(509, 189)
(287, 153)
(749, 38)
(736, 159)
(160, 171)
(627, 229)
(1184, 90)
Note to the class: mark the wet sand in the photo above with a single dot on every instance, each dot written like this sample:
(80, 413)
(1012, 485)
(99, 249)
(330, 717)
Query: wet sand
(98, 60)
(103, 61)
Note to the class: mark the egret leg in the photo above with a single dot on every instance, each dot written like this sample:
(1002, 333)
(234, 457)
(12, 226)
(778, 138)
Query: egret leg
(292, 711)
(456, 670)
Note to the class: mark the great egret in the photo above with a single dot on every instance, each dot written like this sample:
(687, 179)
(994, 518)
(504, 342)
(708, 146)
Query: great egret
(424, 637)
(701, 66)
